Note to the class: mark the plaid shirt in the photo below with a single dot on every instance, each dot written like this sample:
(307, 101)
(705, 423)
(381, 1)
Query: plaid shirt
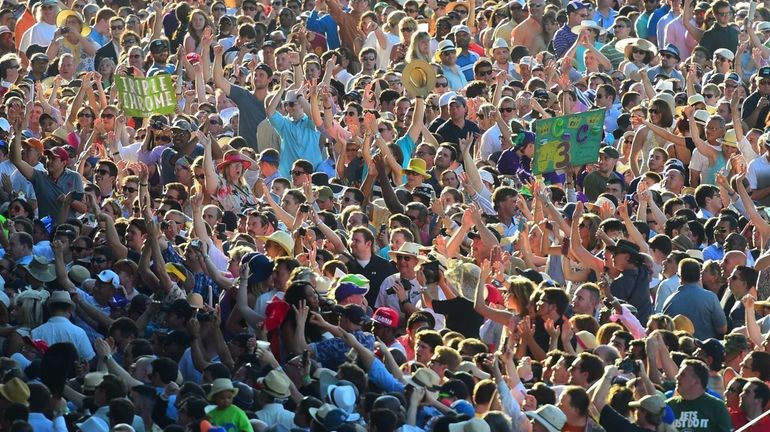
(202, 280)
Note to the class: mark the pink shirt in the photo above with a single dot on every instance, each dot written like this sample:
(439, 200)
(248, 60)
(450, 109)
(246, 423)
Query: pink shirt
(677, 34)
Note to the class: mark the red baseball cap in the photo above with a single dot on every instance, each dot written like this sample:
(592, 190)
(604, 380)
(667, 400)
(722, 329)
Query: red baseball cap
(58, 152)
(38, 344)
(386, 316)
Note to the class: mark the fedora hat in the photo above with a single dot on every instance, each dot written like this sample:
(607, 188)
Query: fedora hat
(549, 416)
(61, 21)
(41, 269)
(443, 46)
(231, 157)
(16, 391)
(702, 117)
(730, 139)
(499, 43)
(283, 239)
(418, 165)
(425, 378)
(624, 246)
(587, 24)
(219, 385)
(408, 248)
(276, 384)
(671, 49)
(344, 397)
(419, 78)
(328, 416)
(60, 297)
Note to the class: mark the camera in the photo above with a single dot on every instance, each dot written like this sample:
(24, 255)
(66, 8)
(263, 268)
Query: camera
(204, 317)
(302, 231)
(252, 47)
(64, 30)
(304, 208)
(195, 244)
(156, 124)
(628, 365)
(430, 270)
(221, 231)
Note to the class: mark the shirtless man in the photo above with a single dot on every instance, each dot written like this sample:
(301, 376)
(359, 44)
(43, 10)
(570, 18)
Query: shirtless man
(530, 31)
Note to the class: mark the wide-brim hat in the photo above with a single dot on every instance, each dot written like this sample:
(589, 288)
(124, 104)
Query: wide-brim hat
(283, 239)
(588, 24)
(549, 416)
(443, 46)
(41, 269)
(61, 21)
(624, 45)
(60, 297)
(730, 139)
(231, 157)
(16, 391)
(418, 165)
(419, 78)
(219, 385)
(425, 378)
(408, 248)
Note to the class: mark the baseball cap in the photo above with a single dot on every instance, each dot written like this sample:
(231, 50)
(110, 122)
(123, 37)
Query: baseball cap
(713, 348)
(444, 99)
(269, 155)
(651, 403)
(457, 99)
(724, 52)
(58, 152)
(265, 68)
(158, 45)
(733, 77)
(354, 313)
(609, 152)
(110, 277)
(764, 72)
(347, 289)
(386, 316)
(183, 125)
(576, 5)
(5, 29)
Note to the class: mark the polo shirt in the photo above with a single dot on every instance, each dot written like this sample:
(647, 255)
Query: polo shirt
(465, 62)
(719, 37)
(299, 140)
(451, 133)
(563, 40)
(700, 305)
(48, 191)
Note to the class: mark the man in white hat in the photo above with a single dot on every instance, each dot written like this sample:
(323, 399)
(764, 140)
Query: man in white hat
(401, 291)
(501, 56)
(465, 58)
(446, 54)
(529, 32)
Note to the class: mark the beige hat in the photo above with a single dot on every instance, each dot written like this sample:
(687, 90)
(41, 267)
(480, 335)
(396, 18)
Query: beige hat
(419, 78)
(276, 384)
(78, 274)
(219, 385)
(425, 378)
(548, 416)
(283, 239)
(16, 391)
(684, 324)
(730, 139)
(471, 368)
(586, 341)
(472, 425)
(92, 380)
(408, 248)
(60, 297)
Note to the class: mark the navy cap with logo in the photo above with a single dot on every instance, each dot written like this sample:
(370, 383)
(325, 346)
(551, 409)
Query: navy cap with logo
(266, 69)
(576, 5)
(354, 313)
(158, 45)
(764, 72)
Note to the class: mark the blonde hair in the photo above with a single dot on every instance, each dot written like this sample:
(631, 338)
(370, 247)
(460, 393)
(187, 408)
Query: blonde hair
(413, 52)
(31, 304)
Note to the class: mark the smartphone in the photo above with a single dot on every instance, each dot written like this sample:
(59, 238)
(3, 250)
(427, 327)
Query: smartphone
(305, 358)
(383, 227)
(64, 30)
(628, 365)
(430, 270)
(304, 208)
(195, 244)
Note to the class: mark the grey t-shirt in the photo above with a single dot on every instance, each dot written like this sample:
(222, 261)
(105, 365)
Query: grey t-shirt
(251, 113)
(48, 191)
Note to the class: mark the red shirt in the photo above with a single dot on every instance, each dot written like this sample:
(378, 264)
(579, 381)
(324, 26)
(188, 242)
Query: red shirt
(739, 420)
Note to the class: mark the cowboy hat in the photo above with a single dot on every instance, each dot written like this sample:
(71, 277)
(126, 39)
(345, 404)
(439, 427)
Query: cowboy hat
(61, 21)
(730, 139)
(41, 269)
(588, 24)
(624, 45)
(283, 239)
(277, 384)
(231, 157)
(219, 385)
(16, 391)
(408, 248)
(418, 165)
(419, 78)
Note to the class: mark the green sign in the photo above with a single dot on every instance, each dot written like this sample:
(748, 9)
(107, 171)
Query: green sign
(143, 97)
(570, 140)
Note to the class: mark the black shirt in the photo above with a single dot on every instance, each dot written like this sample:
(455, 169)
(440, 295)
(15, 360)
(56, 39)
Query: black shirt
(460, 316)
(611, 420)
(719, 37)
(749, 105)
(451, 133)
(376, 271)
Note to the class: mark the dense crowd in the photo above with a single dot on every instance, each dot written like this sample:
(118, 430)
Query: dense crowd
(413, 215)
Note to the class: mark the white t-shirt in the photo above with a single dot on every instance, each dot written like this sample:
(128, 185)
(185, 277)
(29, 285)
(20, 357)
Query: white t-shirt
(491, 142)
(383, 53)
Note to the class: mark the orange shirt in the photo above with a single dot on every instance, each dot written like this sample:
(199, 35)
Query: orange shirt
(24, 23)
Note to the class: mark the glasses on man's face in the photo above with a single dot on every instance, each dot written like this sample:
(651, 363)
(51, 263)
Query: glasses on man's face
(117, 28)
(128, 189)
(297, 173)
(406, 258)
(486, 72)
(442, 84)
(666, 55)
(290, 104)
(85, 114)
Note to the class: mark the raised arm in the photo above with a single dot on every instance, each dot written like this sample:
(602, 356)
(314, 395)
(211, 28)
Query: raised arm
(15, 154)
(418, 120)
(219, 76)
(479, 304)
(759, 222)
(695, 31)
(577, 248)
(633, 233)
(209, 170)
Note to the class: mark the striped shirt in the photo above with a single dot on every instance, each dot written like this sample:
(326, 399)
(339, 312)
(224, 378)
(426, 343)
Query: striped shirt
(563, 40)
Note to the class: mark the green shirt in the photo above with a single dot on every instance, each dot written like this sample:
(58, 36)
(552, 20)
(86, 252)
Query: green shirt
(704, 414)
(232, 418)
(612, 54)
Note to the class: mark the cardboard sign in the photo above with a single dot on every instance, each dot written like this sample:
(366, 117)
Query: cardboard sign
(566, 141)
(143, 97)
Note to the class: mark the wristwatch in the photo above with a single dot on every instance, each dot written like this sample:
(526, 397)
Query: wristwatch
(402, 302)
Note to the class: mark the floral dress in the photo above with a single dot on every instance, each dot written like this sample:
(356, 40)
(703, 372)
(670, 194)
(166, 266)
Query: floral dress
(232, 197)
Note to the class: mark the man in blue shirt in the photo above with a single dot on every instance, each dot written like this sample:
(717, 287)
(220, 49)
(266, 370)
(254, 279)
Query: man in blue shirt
(323, 23)
(299, 136)
(465, 58)
(700, 305)
(725, 226)
(563, 39)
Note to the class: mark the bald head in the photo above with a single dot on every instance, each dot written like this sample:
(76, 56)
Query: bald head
(731, 260)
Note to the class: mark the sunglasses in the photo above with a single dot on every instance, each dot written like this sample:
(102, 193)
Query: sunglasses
(290, 104)
(107, 115)
(653, 111)
(127, 189)
(406, 258)
(506, 110)
(85, 114)
(297, 173)
(446, 84)
(114, 28)
(708, 95)
(486, 72)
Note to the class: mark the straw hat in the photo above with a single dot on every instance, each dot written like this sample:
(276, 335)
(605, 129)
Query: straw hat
(61, 21)
(549, 416)
(443, 46)
(408, 248)
(419, 78)
(16, 391)
(625, 45)
(418, 165)
(730, 139)
(426, 378)
(588, 24)
(219, 385)
(499, 43)
(283, 239)
(684, 324)
(276, 384)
